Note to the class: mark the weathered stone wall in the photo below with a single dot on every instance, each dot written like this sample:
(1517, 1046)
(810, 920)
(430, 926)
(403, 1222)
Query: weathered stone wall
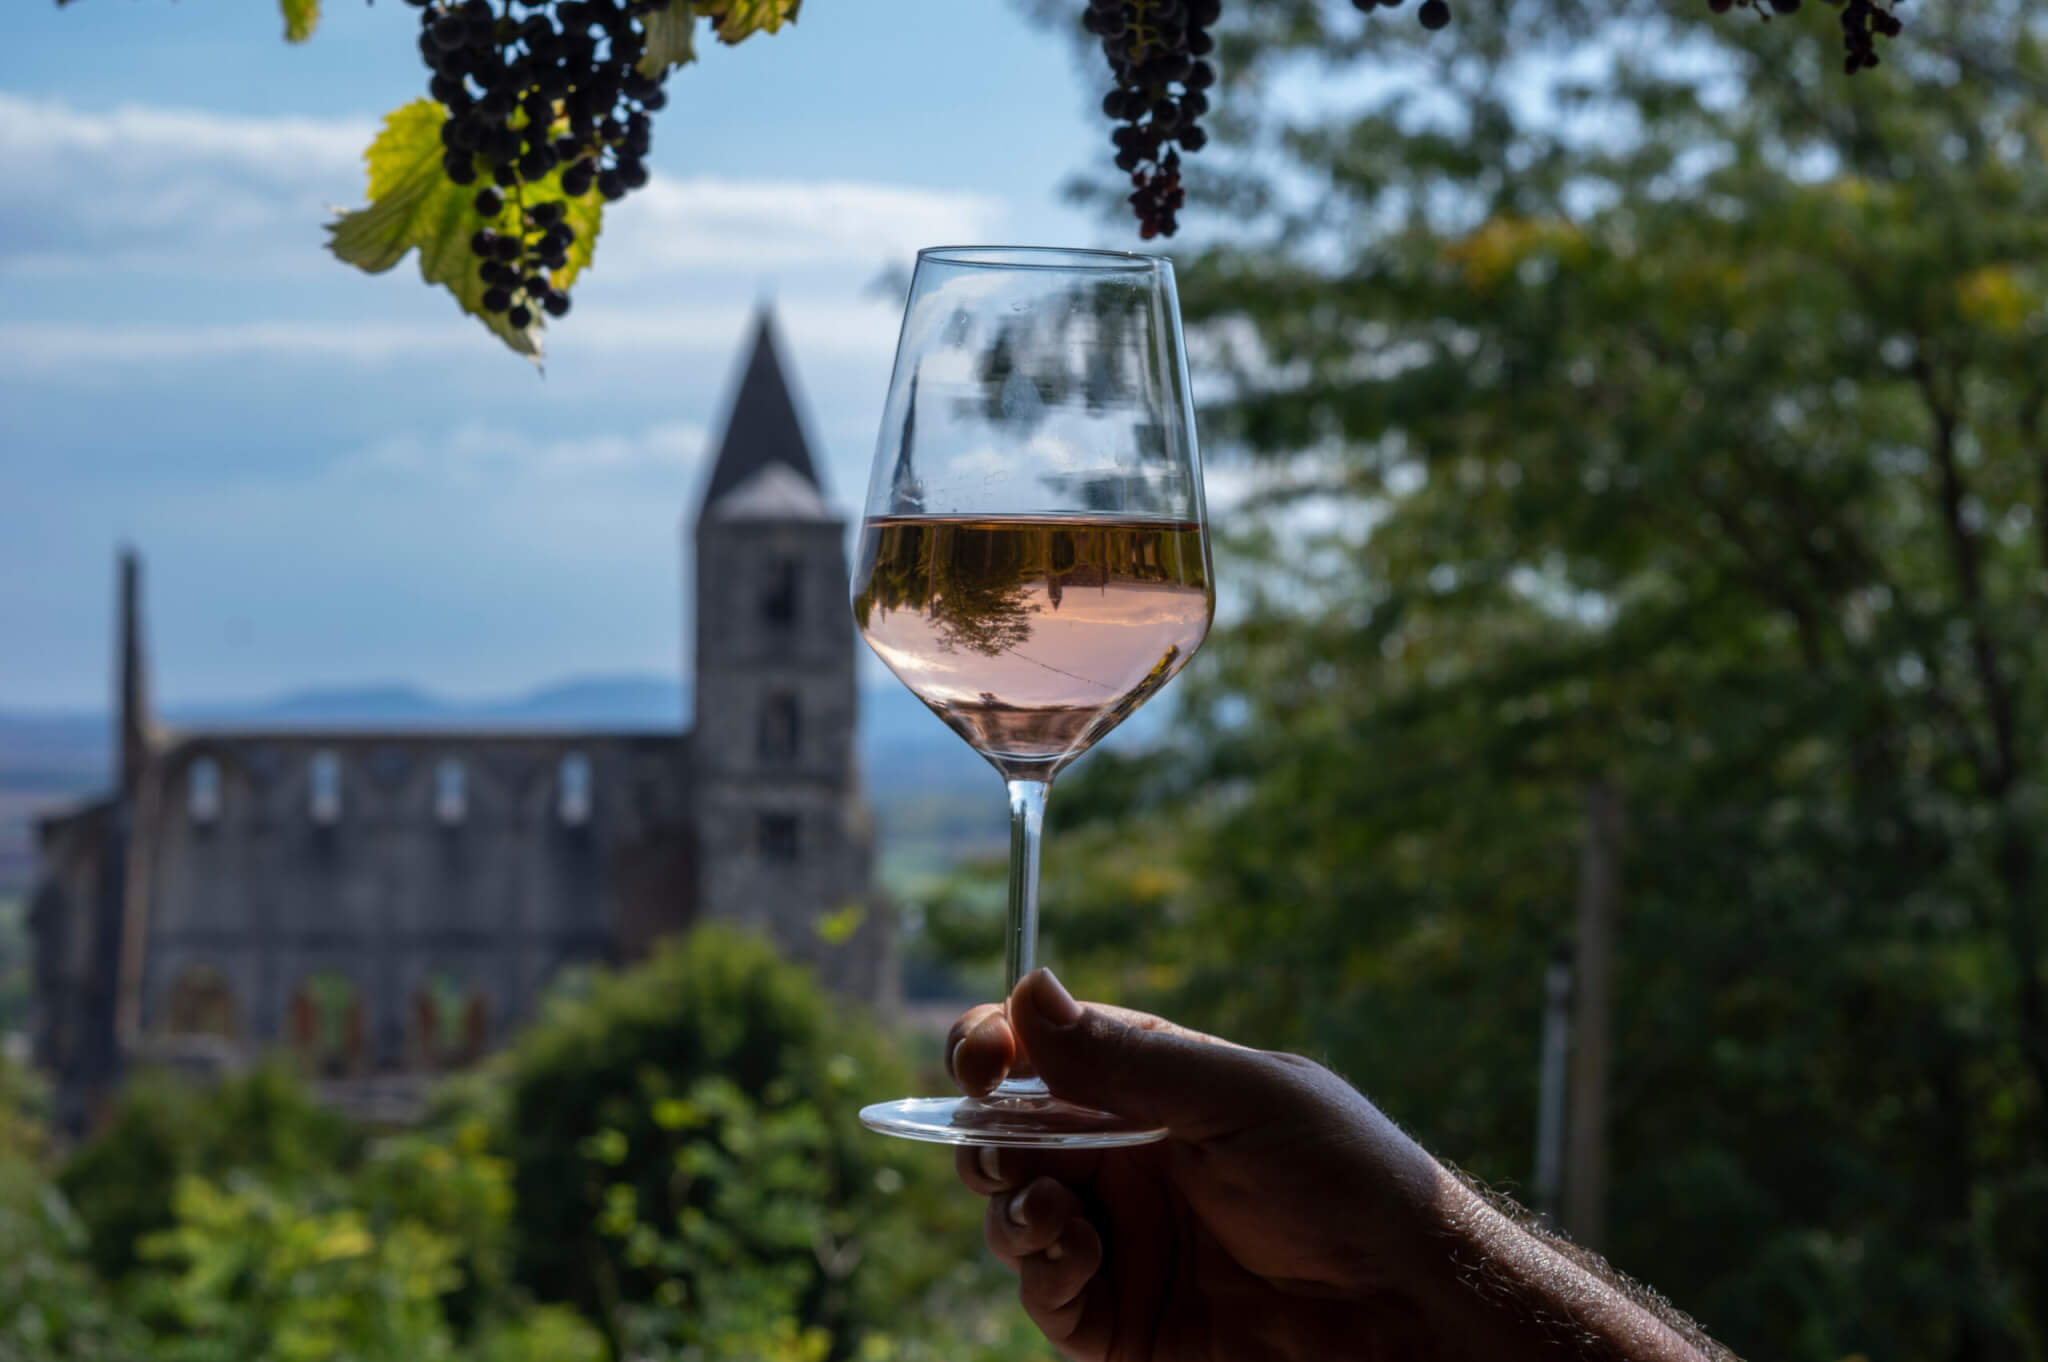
(390, 890)
(73, 919)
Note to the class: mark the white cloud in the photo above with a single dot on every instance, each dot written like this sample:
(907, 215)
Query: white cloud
(487, 457)
(86, 354)
(143, 135)
(705, 223)
(51, 347)
(144, 190)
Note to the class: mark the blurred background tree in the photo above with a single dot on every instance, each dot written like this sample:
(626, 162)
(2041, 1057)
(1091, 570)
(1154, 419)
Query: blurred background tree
(1629, 400)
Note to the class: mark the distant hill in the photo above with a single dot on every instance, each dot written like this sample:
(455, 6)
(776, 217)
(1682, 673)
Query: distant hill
(601, 702)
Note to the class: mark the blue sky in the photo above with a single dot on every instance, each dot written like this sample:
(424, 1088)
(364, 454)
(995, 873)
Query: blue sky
(340, 479)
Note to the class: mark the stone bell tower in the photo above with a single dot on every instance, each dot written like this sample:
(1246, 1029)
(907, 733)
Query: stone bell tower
(784, 836)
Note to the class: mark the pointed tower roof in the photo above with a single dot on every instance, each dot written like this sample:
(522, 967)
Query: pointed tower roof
(763, 428)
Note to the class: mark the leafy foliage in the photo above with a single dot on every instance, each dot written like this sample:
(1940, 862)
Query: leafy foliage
(671, 38)
(50, 1304)
(247, 1272)
(711, 1172)
(688, 1167)
(1675, 426)
(124, 1183)
(737, 20)
(301, 17)
(497, 87)
(415, 207)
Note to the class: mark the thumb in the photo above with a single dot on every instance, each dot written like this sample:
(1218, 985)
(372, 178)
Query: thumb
(1140, 1066)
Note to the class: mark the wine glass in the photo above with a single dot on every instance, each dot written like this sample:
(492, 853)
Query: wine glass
(1034, 558)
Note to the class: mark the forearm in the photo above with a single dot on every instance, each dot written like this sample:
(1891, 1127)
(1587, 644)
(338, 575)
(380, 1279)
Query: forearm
(1503, 1291)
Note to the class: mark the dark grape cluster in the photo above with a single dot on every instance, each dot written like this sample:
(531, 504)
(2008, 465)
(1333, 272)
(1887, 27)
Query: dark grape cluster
(1434, 14)
(1155, 50)
(528, 94)
(1863, 23)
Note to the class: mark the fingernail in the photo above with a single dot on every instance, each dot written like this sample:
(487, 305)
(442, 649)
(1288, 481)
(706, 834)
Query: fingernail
(985, 1159)
(1015, 1210)
(1056, 1252)
(1053, 1001)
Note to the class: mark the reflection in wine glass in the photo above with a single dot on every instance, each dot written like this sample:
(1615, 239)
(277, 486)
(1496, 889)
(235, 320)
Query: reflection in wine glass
(1034, 562)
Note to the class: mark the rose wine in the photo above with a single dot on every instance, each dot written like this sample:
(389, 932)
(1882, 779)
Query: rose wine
(1032, 636)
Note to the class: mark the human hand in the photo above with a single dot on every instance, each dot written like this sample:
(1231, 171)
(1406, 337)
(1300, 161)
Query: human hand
(1283, 1218)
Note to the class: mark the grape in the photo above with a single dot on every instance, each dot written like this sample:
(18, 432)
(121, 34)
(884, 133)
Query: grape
(554, 87)
(1435, 14)
(1153, 46)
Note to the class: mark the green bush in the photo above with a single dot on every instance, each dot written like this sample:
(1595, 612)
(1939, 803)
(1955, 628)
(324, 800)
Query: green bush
(688, 1168)
(51, 1304)
(264, 1123)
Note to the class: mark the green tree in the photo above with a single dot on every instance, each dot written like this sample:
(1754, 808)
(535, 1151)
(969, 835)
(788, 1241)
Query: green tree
(264, 1123)
(688, 1170)
(1639, 402)
(51, 1305)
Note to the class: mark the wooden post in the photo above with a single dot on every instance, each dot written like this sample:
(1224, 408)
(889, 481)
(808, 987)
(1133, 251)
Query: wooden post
(1550, 1082)
(1585, 1171)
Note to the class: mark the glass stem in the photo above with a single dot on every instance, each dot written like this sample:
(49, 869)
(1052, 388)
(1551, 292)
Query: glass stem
(1027, 823)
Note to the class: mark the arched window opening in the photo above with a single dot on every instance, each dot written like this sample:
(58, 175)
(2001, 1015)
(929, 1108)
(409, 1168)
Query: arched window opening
(780, 725)
(202, 790)
(451, 790)
(781, 591)
(329, 1031)
(777, 837)
(323, 778)
(572, 789)
(200, 1003)
(450, 1023)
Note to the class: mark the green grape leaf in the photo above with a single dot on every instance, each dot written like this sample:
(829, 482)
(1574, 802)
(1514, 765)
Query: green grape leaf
(671, 39)
(300, 18)
(738, 20)
(415, 206)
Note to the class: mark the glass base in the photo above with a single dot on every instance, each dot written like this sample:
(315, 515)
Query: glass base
(1018, 1114)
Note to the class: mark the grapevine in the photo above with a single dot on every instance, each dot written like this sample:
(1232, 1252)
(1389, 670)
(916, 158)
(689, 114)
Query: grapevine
(539, 112)
(559, 88)
(1155, 50)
